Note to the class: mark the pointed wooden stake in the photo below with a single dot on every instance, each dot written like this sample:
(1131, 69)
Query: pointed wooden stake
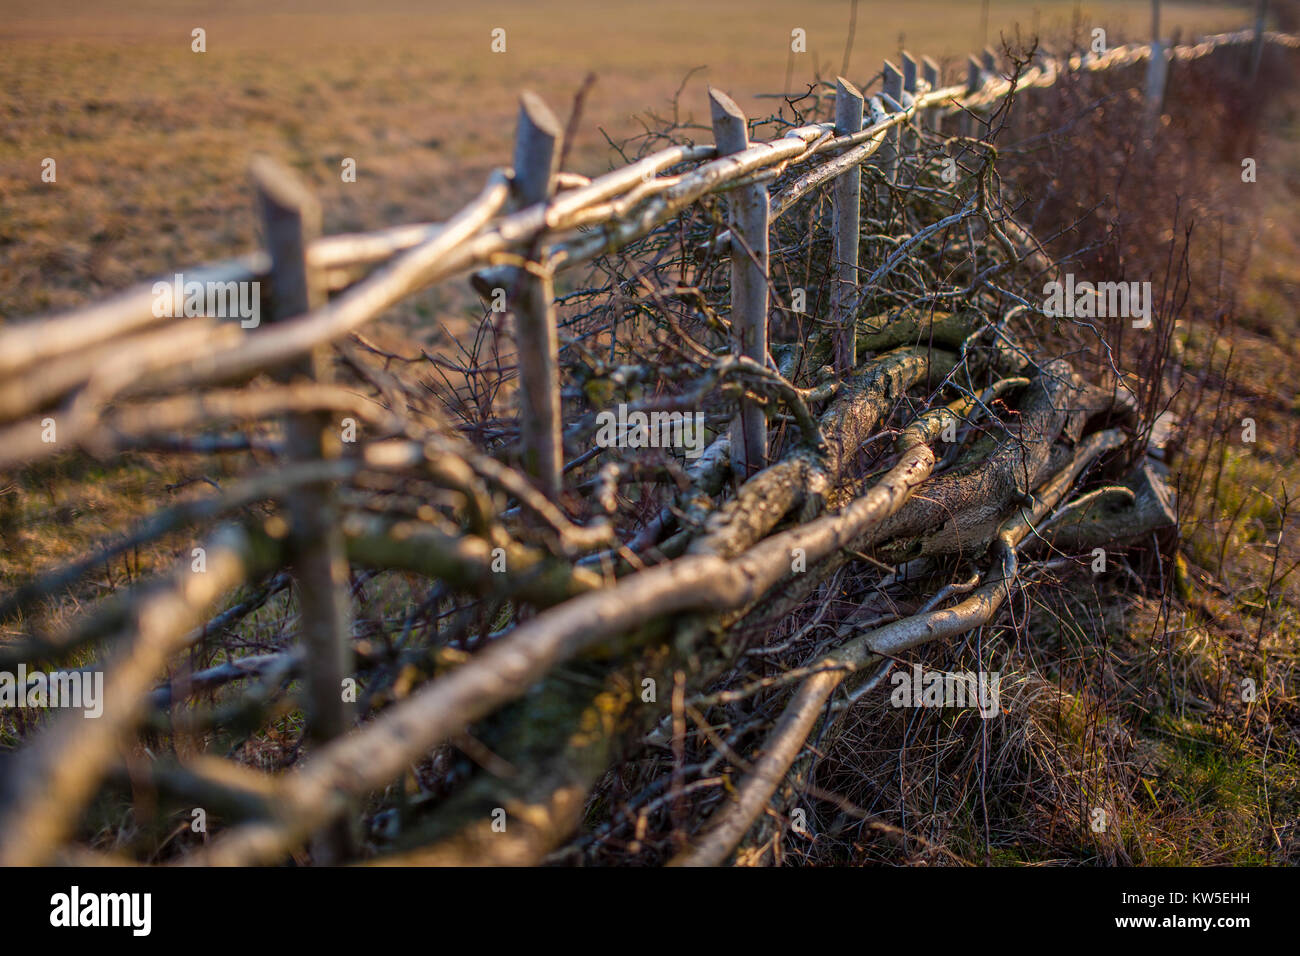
(292, 220)
(537, 155)
(930, 72)
(747, 212)
(889, 151)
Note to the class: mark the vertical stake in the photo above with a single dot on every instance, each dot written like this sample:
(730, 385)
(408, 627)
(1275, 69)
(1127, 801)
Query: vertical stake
(990, 61)
(911, 74)
(537, 155)
(974, 80)
(747, 211)
(292, 219)
(847, 199)
(1157, 70)
(1257, 45)
(931, 73)
(890, 150)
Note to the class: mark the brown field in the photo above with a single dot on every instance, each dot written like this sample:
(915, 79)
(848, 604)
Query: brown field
(152, 140)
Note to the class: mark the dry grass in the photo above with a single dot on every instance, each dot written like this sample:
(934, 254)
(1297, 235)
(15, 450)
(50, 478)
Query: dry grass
(1127, 689)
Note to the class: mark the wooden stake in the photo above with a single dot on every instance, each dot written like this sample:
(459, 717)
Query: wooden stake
(292, 220)
(1257, 45)
(932, 79)
(911, 76)
(537, 155)
(990, 61)
(847, 197)
(911, 73)
(889, 150)
(1157, 70)
(747, 213)
(974, 80)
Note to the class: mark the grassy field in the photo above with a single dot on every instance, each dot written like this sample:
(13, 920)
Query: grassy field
(152, 140)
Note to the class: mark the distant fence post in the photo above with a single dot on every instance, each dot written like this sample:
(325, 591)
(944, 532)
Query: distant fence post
(1257, 45)
(974, 79)
(911, 74)
(892, 87)
(1157, 70)
(292, 220)
(989, 71)
(537, 155)
(847, 215)
(931, 73)
(990, 61)
(748, 210)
